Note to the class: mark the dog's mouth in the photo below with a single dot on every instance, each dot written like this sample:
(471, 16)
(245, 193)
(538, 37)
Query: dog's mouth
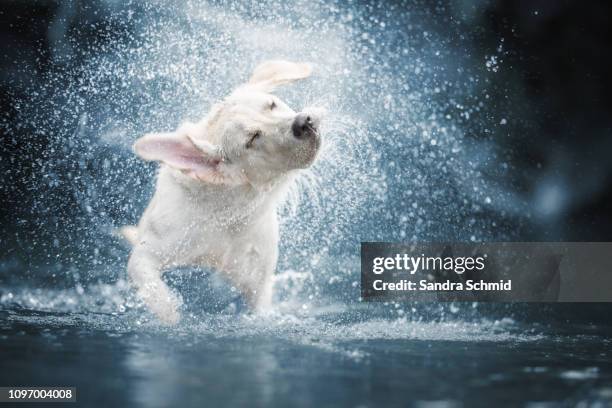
(309, 149)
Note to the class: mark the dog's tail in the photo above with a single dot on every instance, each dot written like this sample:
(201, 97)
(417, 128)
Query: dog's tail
(129, 233)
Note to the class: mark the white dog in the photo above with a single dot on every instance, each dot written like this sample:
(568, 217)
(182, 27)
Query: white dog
(218, 189)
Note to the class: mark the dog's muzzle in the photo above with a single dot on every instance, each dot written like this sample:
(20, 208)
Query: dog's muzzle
(304, 127)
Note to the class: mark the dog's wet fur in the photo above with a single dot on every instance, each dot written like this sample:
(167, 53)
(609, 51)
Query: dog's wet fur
(218, 189)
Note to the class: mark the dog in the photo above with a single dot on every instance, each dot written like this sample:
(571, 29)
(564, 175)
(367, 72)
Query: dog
(218, 188)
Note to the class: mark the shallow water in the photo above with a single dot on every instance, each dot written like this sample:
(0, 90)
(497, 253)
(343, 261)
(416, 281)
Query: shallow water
(332, 356)
(308, 352)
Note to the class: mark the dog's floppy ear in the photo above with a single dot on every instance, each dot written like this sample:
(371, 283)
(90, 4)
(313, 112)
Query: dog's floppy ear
(271, 74)
(196, 158)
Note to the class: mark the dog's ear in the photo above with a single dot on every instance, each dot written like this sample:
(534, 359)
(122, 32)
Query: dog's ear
(196, 158)
(271, 74)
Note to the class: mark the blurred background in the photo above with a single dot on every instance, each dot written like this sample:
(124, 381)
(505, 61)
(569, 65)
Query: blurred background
(451, 120)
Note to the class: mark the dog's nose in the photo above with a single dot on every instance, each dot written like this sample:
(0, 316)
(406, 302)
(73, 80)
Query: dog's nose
(303, 126)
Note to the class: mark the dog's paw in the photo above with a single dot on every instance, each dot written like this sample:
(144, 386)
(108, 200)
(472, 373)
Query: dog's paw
(166, 312)
(163, 303)
(169, 317)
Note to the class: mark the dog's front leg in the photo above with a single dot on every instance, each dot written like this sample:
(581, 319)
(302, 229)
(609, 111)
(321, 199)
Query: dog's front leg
(252, 274)
(259, 297)
(258, 293)
(144, 270)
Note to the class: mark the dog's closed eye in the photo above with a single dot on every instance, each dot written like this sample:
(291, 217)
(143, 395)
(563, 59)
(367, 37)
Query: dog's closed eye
(253, 136)
(272, 105)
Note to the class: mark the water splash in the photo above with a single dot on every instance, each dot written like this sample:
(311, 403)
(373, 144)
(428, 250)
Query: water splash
(334, 328)
(398, 162)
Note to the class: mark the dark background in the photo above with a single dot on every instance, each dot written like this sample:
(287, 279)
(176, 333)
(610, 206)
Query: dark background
(555, 85)
(62, 190)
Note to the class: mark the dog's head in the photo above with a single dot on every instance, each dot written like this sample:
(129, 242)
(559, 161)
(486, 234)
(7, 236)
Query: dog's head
(250, 137)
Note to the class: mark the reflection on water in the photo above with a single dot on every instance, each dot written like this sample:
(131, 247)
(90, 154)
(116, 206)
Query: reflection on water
(332, 359)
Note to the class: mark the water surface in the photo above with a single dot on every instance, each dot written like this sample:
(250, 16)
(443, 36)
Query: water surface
(330, 357)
